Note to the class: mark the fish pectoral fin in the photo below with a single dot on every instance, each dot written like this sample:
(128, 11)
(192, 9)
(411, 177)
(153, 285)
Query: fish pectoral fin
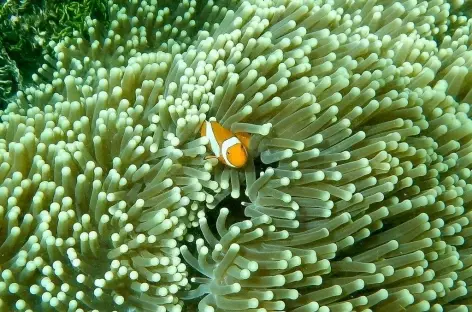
(212, 159)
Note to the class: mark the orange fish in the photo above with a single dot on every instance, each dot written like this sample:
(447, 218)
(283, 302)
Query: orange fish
(229, 148)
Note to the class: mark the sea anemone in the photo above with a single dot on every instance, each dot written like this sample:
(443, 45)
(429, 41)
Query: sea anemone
(357, 191)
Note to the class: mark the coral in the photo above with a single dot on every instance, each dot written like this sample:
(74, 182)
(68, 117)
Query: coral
(25, 28)
(357, 195)
(10, 78)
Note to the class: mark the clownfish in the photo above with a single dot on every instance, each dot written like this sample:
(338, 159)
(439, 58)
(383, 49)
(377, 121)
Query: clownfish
(229, 148)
